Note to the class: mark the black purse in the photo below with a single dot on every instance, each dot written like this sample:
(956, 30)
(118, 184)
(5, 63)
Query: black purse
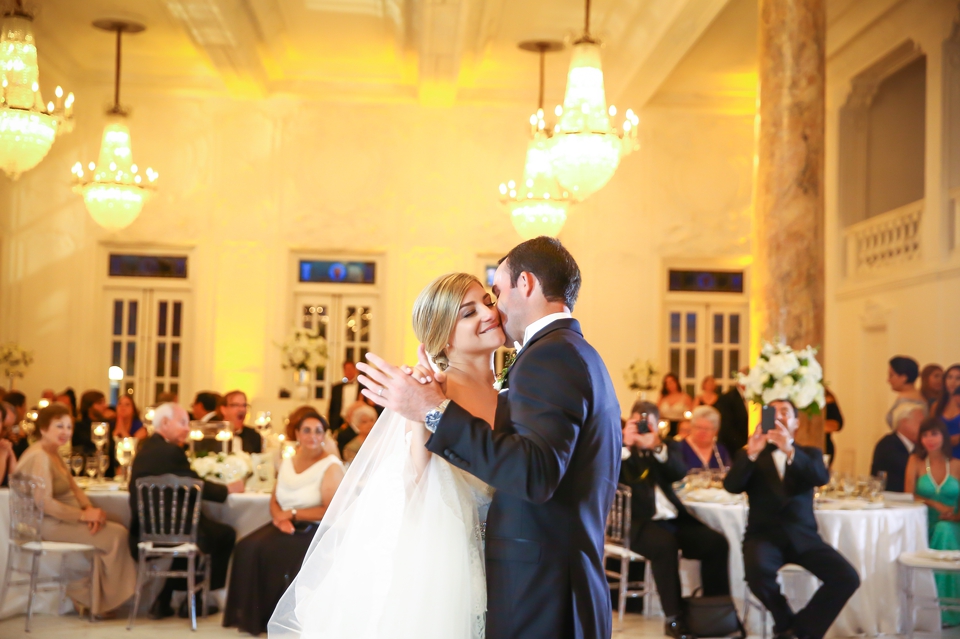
(712, 617)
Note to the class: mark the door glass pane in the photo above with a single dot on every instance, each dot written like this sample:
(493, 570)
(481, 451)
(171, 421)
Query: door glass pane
(131, 358)
(161, 358)
(718, 328)
(175, 389)
(674, 328)
(117, 353)
(318, 392)
(162, 319)
(349, 354)
(132, 318)
(690, 391)
(675, 361)
(158, 390)
(718, 365)
(128, 388)
(734, 362)
(118, 317)
(177, 311)
(175, 359)
(734, 328)
(351, 326)
(364, 325)
(691, 328)
(691, 371)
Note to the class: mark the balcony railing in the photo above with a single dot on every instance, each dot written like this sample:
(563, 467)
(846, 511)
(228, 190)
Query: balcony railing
(884, 241)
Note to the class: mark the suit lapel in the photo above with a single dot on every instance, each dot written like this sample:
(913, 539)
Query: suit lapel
(555, 325)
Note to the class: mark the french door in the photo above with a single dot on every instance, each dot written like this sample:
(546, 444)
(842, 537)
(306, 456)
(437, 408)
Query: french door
(149, 340)
(706, 339)
(349, 323)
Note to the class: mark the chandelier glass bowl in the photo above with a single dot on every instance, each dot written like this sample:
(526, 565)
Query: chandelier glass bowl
(28, 127)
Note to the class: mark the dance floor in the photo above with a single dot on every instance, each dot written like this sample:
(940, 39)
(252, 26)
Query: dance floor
(70, 627)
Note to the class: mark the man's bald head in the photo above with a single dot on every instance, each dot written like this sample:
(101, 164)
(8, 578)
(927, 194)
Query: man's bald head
(172, 423)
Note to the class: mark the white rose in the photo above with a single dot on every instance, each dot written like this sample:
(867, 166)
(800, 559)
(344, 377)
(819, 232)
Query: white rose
(782, 364)
(777, 391)
(804, 394)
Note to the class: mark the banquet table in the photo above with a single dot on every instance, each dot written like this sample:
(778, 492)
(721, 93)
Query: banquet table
(870, 539)
(245, 512)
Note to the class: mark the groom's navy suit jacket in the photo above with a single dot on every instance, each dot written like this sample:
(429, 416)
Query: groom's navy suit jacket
(554, 458)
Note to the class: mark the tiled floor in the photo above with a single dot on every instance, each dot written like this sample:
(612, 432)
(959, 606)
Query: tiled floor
(71, 627)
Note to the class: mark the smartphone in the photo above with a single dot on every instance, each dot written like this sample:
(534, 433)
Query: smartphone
(643, 426)
(768, 419)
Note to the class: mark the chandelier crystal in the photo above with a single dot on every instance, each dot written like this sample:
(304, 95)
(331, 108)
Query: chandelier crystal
(113, 188)
(586, 147)
(28, 127)
(539, 204)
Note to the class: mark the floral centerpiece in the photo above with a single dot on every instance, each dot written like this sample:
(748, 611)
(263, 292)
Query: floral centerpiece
(782, 373)
(223, 469)
(14, 361)
(304, 350)
(641, 375)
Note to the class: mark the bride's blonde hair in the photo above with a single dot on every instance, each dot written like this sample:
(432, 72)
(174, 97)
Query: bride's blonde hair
(435, 313)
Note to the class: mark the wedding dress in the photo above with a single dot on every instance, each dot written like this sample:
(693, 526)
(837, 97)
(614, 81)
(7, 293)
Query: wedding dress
(395, 557)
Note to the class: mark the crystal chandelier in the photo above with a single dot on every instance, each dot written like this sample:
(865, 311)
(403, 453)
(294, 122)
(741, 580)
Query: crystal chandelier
(538, 205)
(113, 188)
(28, 127)
(586, 148)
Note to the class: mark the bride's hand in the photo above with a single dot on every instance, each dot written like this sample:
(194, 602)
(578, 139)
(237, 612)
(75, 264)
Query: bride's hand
(423, 372)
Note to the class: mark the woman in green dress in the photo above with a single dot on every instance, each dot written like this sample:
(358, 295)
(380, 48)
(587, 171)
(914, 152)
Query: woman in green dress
(933, 477)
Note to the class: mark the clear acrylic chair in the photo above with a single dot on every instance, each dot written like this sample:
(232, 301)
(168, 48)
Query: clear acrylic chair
(168, 509)
(617, 546)
(26, 517)
(911, 562)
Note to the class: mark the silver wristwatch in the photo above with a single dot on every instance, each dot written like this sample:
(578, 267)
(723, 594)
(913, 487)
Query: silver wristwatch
(432, 419)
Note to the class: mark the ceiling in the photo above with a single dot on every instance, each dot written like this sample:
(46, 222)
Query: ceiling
(432, 52)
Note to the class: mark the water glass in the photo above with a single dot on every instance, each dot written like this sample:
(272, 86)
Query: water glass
(76, 465)
(881, 477)
(91, 467)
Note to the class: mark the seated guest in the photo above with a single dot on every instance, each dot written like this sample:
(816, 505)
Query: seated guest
(167, 398)
(162, 453)
(68, 516)
(902, 376)
(734, 419)
(708, 392)
(661, 526)
(779, 478)
(8, 458)
(342, 396)
(235, 411)
(19, 402)
(48, 395)
(69, 399)
(701, 449)
(674, 403)
(931, 383)
(204, 407)
(11, 430)
(267, 560)
(933, 477)
(128, 423)
(832, 423)
(893, 450)
(93, 405)
(362, 419)
(947, 407)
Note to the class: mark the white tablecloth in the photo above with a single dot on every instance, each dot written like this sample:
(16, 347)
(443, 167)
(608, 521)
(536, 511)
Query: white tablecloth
(871, 540)
(245, 512)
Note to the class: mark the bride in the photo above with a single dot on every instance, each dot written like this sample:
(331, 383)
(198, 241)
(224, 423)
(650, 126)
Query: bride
(399, 553)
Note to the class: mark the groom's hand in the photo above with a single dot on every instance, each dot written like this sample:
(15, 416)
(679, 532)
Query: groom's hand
(388, 386)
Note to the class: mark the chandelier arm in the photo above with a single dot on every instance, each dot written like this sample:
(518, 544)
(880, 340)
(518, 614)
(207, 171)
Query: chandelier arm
(586, 21)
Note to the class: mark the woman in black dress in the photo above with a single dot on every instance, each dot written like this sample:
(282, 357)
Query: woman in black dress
(266, 561)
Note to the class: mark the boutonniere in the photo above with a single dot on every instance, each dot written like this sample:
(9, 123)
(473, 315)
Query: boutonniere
(502, 377)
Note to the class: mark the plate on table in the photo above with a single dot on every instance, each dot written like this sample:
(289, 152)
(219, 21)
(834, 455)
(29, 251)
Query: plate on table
(951, 556)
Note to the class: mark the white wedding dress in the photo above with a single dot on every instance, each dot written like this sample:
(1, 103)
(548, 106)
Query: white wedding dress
(394, 557)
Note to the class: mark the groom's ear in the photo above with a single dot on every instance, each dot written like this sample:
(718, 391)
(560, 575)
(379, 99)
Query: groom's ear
(526, 283)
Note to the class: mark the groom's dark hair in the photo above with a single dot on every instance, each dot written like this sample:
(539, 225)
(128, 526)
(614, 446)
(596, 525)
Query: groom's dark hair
(551, 264)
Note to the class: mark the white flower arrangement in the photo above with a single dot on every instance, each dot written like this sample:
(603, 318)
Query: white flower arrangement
(304, 350)
(641, 375)
(14, 360)
(223, 469)
(784, 374)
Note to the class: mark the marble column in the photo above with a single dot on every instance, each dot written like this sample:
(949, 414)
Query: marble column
(788, 269)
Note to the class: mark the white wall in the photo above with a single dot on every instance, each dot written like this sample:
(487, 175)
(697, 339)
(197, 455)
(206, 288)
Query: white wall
(246, 182)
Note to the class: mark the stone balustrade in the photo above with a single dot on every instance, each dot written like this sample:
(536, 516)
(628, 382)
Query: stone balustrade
(883, 241)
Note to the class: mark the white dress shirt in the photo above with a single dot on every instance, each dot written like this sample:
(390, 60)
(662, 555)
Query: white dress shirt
(906, 442)
(536, 326)
(349, 397)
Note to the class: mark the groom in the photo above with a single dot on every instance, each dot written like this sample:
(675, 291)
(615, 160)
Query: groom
(553, 454)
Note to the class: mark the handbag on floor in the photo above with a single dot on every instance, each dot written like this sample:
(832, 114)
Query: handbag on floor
(712, 617)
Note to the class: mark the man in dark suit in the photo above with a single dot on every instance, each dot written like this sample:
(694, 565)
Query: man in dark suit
(553, 454)
(893, 450)
(660, 526)
(162, 453)
(235, 411)
(342, 396)
(204, 407)
(779, 478)
(734, 420)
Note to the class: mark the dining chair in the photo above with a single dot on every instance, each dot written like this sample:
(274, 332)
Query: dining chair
(26, 519)
(617, 546)
(168, 509)
(926, 560)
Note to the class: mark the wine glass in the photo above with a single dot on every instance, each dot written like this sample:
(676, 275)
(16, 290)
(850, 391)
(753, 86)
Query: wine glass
(882, 479)
(76, 465)
(103, 463)
(91, 467)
